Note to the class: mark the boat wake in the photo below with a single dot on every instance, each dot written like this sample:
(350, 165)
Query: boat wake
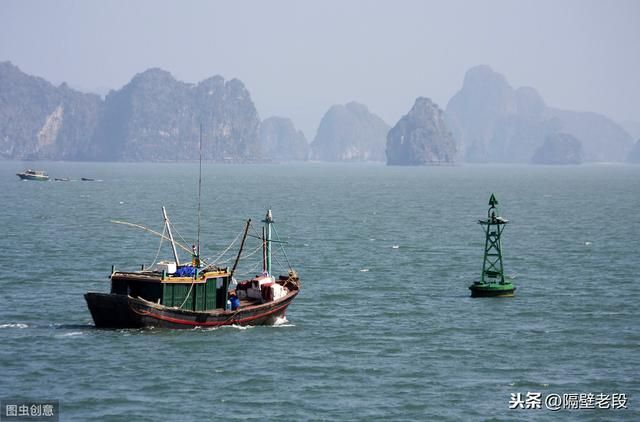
(233, 326)
(282, 322)
(71, 334)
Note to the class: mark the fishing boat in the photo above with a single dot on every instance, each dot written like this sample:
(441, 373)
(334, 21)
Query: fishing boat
(33, 175)
(195, 294)
(493, 282)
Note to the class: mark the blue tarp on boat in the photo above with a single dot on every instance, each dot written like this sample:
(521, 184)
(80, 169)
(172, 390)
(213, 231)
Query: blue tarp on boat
(185, 272)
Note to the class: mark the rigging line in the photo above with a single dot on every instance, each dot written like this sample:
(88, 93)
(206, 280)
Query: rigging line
(228, 260)
(138, 226)
(228, 247)
(178, 233)
(258, 248)
(251, 270)
(164, 229)
(204, 262)
(258, 235)
(278, 261)
(150, 231)
(188, 294)
(261, 238)
(282, 247)
(242, 257)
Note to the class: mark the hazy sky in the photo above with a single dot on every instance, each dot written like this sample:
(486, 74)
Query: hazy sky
(297, 58)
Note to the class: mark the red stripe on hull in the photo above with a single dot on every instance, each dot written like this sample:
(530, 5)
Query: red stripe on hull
(231, 321)
(119, 311)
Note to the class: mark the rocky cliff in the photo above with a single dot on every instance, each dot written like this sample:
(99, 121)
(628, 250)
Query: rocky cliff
(280, 140)
(350, 133)
(494, 122)
(153, 117)
(421, 137)
(42, 121)
(559, 148)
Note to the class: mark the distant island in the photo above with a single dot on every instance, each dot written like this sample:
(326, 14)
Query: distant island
(493, 122)
(421, 137)
(559, 148)
(281, 141)
(350, 133)
(155, 117)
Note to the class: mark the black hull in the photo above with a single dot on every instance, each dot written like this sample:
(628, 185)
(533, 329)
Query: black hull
(120, 311)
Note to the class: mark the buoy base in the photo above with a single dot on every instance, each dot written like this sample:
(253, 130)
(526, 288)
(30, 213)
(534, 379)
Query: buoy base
(479, 289)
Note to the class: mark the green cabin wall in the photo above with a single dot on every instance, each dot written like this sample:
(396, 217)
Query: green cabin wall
(201, 297)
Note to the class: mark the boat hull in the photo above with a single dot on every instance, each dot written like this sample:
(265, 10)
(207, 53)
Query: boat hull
(120, 311)
(32, 177)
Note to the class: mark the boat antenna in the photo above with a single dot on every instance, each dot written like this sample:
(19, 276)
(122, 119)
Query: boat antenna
(268, 220)
(199, 193)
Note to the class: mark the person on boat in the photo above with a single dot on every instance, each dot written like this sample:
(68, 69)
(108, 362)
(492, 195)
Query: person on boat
(195, 259)
(233, 299)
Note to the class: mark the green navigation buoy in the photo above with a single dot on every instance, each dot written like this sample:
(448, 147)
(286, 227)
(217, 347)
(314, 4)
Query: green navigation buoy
(493, 282)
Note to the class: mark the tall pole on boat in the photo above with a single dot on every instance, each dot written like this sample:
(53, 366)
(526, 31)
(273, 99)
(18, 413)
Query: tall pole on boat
(244, 237)
(173, 242)
(199, 196)
(268, 220)
(264, 250)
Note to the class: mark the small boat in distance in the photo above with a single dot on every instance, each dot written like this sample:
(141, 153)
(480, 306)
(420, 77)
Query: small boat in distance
(195, 294)
(33, 175)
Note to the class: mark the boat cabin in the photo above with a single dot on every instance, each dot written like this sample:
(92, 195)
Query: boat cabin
(205, 291)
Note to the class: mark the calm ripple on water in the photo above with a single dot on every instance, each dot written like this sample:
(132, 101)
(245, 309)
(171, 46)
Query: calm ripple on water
(384, 328)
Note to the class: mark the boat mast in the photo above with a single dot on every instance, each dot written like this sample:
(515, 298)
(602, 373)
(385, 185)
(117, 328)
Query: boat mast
(494, 225)
(173, 243)
(264, 250)
(244, 237)
(268, 220)
(199, 199)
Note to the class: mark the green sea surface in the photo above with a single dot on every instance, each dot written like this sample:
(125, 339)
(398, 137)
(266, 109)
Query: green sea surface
(384, 328)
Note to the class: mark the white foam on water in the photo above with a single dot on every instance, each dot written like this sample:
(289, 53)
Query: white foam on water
(282, 322)
(396, 246)
(72, 334)
(14, 325)
(364, 270)
(239, 327)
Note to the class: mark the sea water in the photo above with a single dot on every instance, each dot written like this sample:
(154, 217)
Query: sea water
(384, 328)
